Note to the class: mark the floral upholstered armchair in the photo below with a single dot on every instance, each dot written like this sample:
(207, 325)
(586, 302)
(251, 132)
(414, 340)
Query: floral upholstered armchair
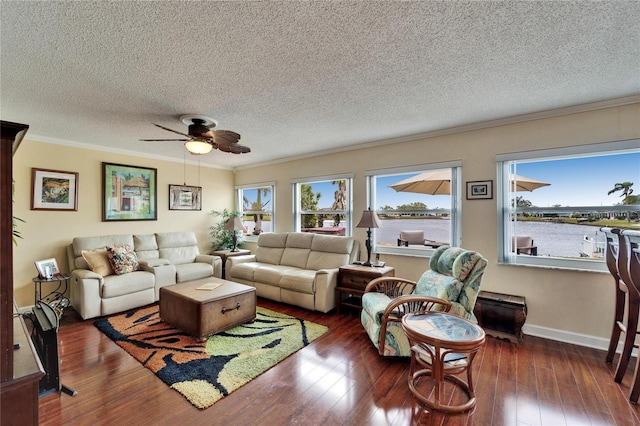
(451, 284)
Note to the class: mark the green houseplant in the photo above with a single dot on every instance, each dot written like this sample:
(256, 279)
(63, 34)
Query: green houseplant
(221, 239)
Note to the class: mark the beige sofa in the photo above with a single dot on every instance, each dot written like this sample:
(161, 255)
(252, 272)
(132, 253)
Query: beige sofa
(298, 268)
(164, 259)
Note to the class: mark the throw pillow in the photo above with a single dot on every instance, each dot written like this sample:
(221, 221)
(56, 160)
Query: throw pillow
(98, 261)
(122, 259)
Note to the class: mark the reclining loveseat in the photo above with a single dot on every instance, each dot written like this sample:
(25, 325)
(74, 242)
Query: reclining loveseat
(162, 259)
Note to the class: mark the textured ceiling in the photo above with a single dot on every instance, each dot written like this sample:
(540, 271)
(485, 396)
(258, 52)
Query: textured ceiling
(295, 78)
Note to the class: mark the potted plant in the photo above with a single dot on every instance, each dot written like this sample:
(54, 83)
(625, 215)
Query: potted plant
(221, 238)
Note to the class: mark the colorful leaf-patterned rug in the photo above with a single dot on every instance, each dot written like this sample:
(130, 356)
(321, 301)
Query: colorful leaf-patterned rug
(205, 372)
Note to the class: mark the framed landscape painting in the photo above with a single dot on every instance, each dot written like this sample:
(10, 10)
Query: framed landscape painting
(129, 193)
(54, 190)
(183, 197)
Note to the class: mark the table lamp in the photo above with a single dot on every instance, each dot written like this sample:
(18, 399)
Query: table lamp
(234, 224)
(369, 220)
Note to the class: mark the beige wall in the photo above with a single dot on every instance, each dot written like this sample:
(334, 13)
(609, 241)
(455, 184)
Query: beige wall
(575, 303)
(47, 233)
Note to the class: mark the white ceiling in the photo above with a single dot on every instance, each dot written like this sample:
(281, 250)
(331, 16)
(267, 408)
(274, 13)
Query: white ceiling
(295, 78)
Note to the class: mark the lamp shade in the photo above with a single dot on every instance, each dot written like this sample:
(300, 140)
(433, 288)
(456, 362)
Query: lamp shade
(198, 147)
(234, 224)
(369, 220)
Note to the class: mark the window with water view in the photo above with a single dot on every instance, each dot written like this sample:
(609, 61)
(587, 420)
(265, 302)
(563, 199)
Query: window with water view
(553, 206)
(418, 208)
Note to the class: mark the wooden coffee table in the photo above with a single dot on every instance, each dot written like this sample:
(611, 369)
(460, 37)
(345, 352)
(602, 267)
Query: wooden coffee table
(206, 312)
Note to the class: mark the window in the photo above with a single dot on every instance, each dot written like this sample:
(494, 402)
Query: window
(419, 207)
(256, 204)
(554, 202)
(323, 205)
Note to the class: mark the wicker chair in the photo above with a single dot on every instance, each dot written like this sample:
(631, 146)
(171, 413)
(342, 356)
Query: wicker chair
(451, 284)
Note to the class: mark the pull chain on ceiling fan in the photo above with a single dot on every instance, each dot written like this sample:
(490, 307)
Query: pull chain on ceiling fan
(201, 139)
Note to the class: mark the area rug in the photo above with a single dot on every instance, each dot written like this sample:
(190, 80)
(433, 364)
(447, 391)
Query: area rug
(205, 372)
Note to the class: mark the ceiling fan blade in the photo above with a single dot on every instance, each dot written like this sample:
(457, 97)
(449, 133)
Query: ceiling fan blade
(164, 140)
(223, 147)
(239, 149)
(171, 130)
(226, 137)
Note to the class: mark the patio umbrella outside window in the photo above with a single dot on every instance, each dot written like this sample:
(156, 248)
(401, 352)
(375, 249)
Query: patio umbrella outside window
(439, 183)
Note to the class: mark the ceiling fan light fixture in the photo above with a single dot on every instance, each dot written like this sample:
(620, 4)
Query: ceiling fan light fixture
(198, 147)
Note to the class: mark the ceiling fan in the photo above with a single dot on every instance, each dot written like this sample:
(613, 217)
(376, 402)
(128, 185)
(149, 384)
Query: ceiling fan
(201, 139)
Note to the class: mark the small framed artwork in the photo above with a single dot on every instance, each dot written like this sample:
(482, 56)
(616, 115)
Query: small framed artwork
(480, 190)
(47, 268)
(54, 190)
(183, 197)
(129, 193)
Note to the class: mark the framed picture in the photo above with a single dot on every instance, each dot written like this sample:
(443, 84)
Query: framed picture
(54, 190)
(480, 190)
(129, 193)
(47, 268)
(183, 197)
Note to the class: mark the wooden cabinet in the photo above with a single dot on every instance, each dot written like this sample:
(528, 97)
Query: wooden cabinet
(224, 254)
(353, 279)
(501, 315)
(20, 369)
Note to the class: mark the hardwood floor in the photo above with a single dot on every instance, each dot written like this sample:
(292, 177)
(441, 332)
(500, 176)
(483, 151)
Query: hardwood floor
(340, 380)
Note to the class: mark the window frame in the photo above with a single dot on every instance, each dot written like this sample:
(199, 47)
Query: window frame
(505, 210)
(296, 199)
(239, 189)
(455, 212)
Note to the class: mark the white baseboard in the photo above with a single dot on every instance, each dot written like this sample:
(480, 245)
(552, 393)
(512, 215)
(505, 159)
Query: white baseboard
(572, 338)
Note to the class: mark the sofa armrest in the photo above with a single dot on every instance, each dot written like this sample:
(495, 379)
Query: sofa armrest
(326, 282)
(85, 292)
(235, 260)
(215, 261)
(85, 274)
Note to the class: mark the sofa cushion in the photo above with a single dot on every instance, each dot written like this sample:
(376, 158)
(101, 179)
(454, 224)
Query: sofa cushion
(329, 252)
(296, 252)
(245, 270)
(120, 285)
(295, 257)
(178, 247)
(323, 260)
(98, 261)
(270, 248)
(299, 280)
(271, 274)
(332, 244)
(94, 243)
(123, 259)
(146, 246)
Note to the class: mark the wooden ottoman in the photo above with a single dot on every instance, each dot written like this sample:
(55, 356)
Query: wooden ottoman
(205, 312)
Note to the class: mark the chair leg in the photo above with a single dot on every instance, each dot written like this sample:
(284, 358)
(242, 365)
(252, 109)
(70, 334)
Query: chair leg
(629, 340)
(635, 386)
(617, 323)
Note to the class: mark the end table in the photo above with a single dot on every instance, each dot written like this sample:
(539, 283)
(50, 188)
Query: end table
(353, 279)
(55, 298)
(224, 254)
